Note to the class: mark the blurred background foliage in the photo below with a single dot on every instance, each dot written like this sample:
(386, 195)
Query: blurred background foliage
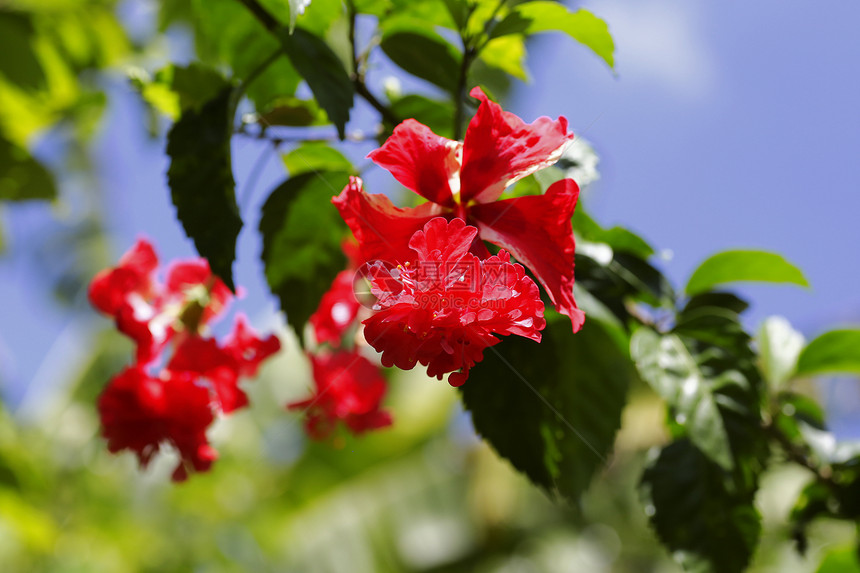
(426, 495)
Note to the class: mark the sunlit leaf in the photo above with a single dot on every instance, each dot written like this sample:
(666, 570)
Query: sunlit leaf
(582, 26)
(706, 527)
(302, 234)
(551, 409)
(507, 54)
(840, 560)
(735, 266)
(201, 182)
(832, 352)
(315, 157)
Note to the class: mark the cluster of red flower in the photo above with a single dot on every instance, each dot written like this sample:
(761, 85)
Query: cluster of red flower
(348, 386)
(146, 405)
(439, 296)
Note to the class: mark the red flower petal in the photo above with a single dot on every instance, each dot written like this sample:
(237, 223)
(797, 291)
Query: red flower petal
(110, 288)
(247, 349)
(202, 357)
(186, 275)
(421, 160)
(537, 231)
(444, 310)
(382, 230)
(500, 148)
(348, 388)
(337, 310)
(440, 240)
(139, 413)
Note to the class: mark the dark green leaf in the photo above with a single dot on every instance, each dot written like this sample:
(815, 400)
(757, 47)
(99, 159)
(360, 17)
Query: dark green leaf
(425, 54)
(21, 176)
(734, 266)
(617, 278)
(201, 182)
(19, 63)
(314, 157)
(293, 112)
(667, 365)
(459, 11)
(832, 352)
(195, 84)
(710, 328)
(582, 26)
(707, 527)
(301, 234)
(552, 409)
(437, 115)
(324, 72)
(176, 89)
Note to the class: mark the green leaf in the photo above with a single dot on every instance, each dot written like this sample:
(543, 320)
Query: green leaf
(292, 112)
(582, 26)
(619, 238)
(779, 347)
(19, 62)
(507, 54)
(667, 365)
(227, 33)
(324, 73)
(302, 234)
(734, 266)
(552, 409)
(425, 54)
(22, 177)
(314, 157)
(437, 115)
(201, 182)
(840, 560)
(176, 89)
(459, 11)
(832, 352)
(705, 526)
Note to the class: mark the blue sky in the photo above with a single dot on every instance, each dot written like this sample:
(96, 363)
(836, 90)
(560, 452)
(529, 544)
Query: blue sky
(727, 125)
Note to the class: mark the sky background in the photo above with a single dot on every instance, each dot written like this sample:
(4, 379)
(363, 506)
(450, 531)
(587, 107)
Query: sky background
(726, 125)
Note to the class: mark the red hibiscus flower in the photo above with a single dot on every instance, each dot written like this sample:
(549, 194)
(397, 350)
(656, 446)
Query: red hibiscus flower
(349, 388)
(222, 366)
(444, 309)
(465, 180)
(337, 310)
(141, 410)
(141, 413)
(149, 313)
